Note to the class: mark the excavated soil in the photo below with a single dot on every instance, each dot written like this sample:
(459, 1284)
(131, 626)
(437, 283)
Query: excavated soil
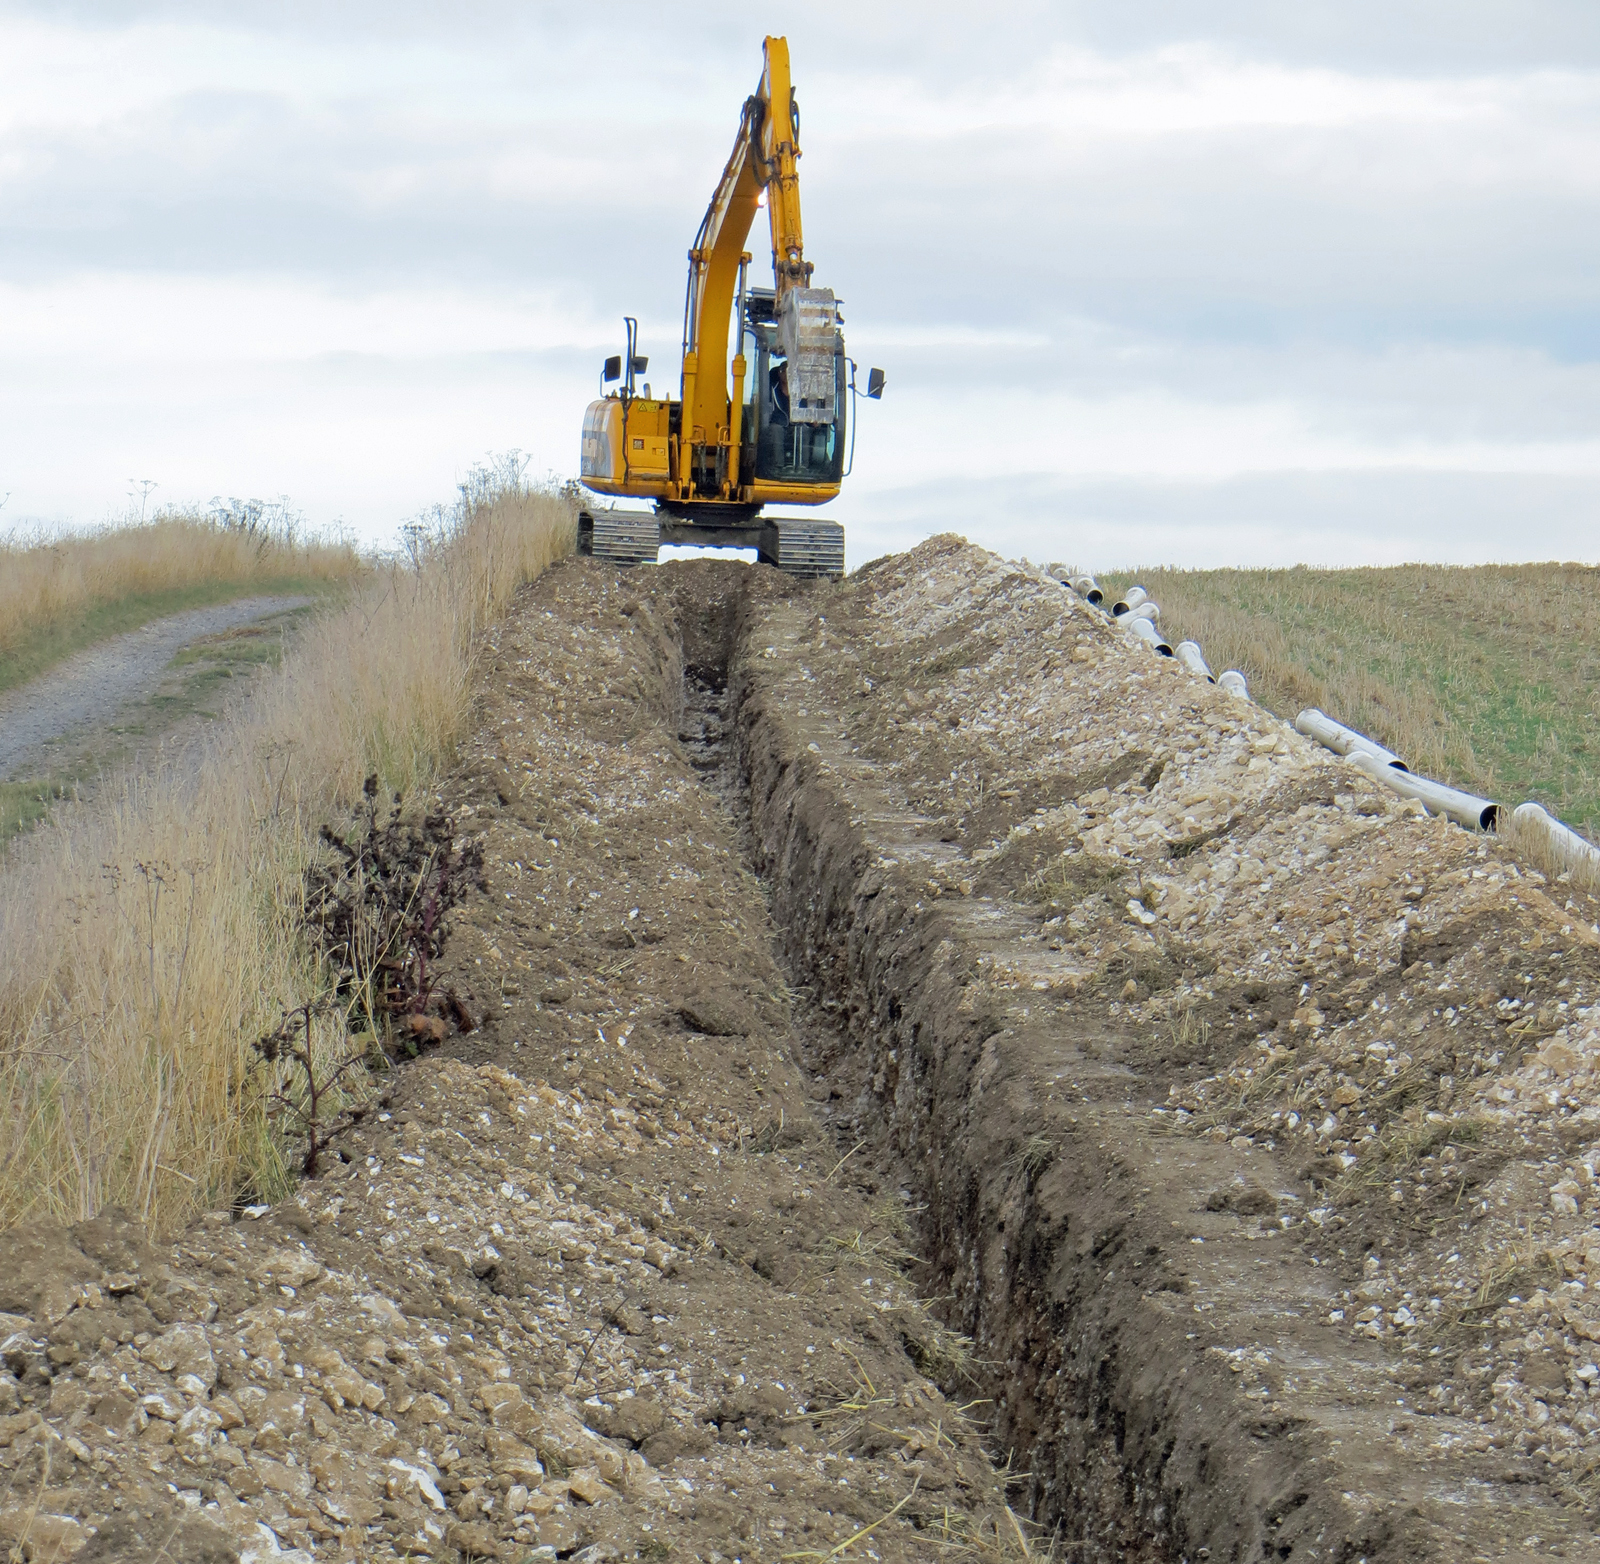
(1108, 1128)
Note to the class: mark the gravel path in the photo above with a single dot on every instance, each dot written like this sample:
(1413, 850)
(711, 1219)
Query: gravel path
(91, 688)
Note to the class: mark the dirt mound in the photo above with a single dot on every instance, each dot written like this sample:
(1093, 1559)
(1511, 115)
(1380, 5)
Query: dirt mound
(1254, 1111)
(1240, 1121)
(592, 1282)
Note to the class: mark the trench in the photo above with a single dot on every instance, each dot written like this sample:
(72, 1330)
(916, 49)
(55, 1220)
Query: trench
(1086, 1500)
(1161, 1379)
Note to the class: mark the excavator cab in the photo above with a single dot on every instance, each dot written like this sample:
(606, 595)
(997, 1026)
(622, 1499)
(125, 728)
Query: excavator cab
(764, 426)
(794, 435)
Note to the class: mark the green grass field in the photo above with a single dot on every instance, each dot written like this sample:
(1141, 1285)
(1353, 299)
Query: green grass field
(1486, 677)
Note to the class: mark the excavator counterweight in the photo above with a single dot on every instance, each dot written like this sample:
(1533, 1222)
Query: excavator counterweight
(763, 425)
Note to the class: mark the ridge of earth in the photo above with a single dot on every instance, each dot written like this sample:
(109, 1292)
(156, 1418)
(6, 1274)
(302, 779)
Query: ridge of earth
(587, 1283)
(1243, 1120)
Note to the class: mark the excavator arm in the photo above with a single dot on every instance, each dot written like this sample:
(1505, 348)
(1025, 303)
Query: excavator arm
(765, 154)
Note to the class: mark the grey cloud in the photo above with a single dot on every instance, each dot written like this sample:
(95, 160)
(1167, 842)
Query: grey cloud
(1335, 518)
(1221, 235)
(1216, 235)
(1415, 391)
(1423, 36)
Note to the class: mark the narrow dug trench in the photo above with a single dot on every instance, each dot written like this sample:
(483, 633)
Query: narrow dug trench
(944, 1085)
(1166, 1136)
(1201, 1407)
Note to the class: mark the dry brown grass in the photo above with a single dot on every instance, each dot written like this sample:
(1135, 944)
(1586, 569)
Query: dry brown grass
(147, 940)
(1553, 856)
(59, 593)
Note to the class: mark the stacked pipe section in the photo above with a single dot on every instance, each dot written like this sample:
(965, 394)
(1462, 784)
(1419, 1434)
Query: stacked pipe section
(1137, 614)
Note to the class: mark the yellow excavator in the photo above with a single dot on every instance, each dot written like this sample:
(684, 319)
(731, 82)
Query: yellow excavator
(767, 426)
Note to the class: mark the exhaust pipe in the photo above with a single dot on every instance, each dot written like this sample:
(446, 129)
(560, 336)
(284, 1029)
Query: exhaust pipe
(1342, 740)
(1566, 846)
(1143, 630)
(1476, 814)
(1136, 596)
(1233, 682)
(1189, 656)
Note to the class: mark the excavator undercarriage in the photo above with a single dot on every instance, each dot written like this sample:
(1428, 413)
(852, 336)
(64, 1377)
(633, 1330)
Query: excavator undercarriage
(806, 546)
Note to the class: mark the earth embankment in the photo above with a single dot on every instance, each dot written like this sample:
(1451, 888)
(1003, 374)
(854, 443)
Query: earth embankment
(1252, 1113)
(591, 1279)
(841, 945)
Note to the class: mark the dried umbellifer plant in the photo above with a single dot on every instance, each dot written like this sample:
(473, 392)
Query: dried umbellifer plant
(379, 904)
(302, 1082)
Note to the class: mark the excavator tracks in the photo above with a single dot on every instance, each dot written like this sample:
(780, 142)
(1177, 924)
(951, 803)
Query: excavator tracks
(801, 546)
(804, 546)
(620, 537)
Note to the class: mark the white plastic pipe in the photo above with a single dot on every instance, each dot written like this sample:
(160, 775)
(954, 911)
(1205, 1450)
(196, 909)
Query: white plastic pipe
(1146, 610)
(1143, 630)
(1568, 847)
(1131, 599)
(1342, 740)
(1087, 588)
(1476, 814)
(1233, 682)
(1189, 655)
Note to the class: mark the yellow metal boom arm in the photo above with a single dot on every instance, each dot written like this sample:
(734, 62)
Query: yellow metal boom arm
(764, 157)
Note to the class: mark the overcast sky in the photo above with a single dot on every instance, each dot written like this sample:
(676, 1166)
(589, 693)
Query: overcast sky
(1239, 283)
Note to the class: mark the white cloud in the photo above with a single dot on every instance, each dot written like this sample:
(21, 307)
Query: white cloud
(1131, 269)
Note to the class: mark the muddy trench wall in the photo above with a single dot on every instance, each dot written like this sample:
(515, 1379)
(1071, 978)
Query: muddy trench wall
(1055, 1224)
(1122, 1460)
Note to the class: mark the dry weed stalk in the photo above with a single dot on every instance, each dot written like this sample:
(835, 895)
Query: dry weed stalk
(1552, 859)
(305, 1077)
(126, 1025)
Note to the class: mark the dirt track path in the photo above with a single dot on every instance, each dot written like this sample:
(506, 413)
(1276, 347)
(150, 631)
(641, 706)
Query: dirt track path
(91, 688)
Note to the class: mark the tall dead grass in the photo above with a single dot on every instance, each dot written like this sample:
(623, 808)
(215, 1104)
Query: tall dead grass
(148, 939)
(46, 580)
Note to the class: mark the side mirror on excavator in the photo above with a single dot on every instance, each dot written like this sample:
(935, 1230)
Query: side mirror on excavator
(613, 368)
(641, 362)
(875, 378)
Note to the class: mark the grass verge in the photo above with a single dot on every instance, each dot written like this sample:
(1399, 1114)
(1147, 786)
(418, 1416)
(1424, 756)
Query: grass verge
(61, 595)
(1486, 677)
(26, 802)
(148, 939)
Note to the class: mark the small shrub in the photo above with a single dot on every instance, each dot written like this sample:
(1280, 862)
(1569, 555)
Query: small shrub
(379, 908)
